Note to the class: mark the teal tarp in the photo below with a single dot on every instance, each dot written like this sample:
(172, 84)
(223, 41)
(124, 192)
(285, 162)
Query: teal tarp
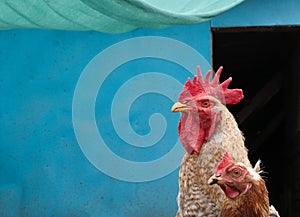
(110, 16)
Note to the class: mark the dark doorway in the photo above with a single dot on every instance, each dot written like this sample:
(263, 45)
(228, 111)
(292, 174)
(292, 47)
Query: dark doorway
(265, 63)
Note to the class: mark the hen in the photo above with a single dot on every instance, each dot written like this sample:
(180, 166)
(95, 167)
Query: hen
(207, 130)
(244, 188)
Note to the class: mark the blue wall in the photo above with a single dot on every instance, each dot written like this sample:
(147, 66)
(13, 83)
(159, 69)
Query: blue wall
(43, 171)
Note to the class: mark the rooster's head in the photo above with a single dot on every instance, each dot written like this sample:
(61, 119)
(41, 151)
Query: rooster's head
(198, 102)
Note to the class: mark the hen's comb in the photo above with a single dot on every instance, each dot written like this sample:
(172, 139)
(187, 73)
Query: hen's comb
(213, 88)
(227, 160)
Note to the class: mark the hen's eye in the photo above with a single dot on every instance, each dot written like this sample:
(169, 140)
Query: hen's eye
(236, 173)
(205, 104)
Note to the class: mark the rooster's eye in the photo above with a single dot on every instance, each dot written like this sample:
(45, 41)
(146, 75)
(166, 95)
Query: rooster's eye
(205, 104)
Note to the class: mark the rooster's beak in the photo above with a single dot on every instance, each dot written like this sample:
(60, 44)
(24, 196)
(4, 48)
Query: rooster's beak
(180, 107)
(215, 179)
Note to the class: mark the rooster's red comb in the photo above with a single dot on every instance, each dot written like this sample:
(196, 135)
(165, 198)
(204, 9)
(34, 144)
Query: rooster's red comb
(213, 88)
(227, 160)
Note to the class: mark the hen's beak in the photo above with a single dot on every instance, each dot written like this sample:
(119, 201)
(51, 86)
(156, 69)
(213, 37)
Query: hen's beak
(215, 179)
(180, 107)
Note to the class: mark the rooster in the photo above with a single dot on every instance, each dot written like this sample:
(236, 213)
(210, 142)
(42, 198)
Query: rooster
(244, 188)
(206, 130)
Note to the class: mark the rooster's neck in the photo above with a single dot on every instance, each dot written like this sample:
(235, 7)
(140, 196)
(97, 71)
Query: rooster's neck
(196, 169)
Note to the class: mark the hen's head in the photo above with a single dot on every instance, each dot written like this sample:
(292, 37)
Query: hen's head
(198, 103)
(235, 179)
